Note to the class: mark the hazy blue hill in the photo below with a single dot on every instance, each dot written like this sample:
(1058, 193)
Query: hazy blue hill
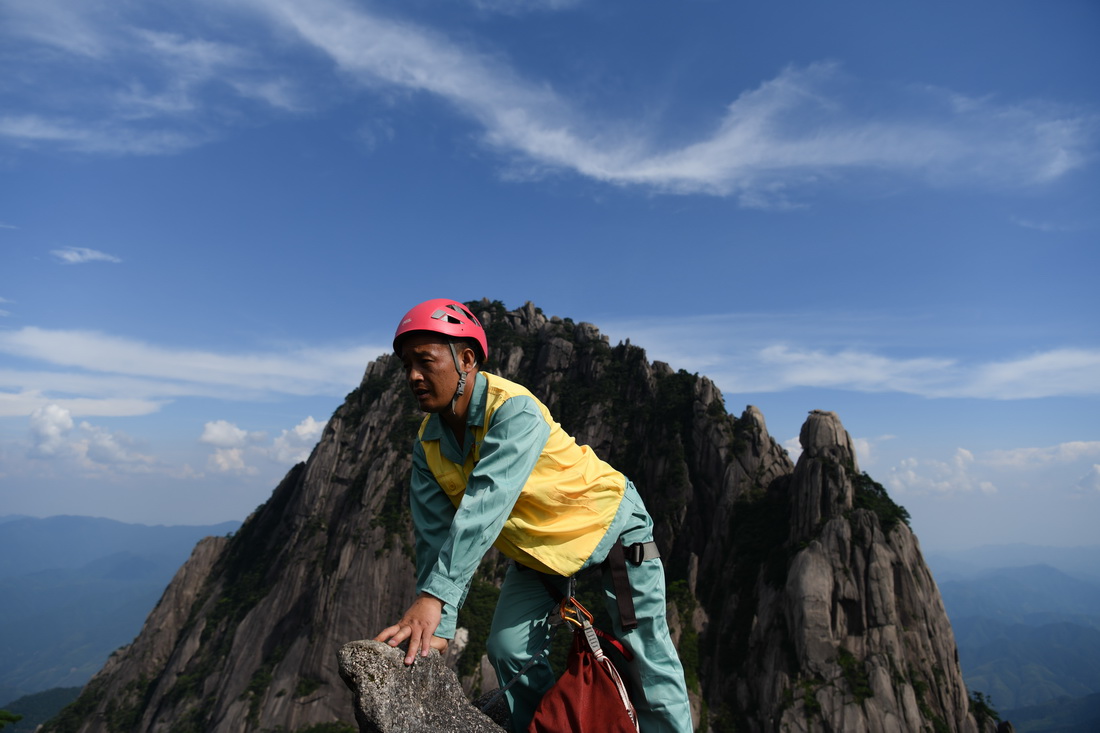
(1063, 715)
(1026, 634)
(39, 707)
(1040, 593)
(1080, 562)
(28, 544)
(1017, 665)
(77, 588)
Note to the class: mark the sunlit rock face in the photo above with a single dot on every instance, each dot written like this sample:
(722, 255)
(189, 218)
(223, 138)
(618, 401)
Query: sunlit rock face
(797, 594)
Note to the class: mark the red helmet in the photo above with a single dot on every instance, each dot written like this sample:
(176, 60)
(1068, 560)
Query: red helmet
(443, 316)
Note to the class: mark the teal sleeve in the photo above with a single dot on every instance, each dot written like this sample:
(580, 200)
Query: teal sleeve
(432, 513)
(512, 444)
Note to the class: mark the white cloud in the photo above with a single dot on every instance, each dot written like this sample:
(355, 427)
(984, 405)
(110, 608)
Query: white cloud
(97, 136)
(237, 450)
(1033, 468)
(1046, 374)
(137, 378)
(231, 460)
(928, 476)
(1043, 226)
(1037, 458)
(85, 395)
(793, 446)
(295, 445)
(1090, 481)
(49, 427)
(805, 127)
(742, 354)
(519, 7)
(56, 437)
(224, 434)
(80, 255)
(63, 25)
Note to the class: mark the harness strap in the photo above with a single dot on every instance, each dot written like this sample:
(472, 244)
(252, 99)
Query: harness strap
(616, 566)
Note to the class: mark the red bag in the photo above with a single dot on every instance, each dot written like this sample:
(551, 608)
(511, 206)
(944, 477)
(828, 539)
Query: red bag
(590, 696)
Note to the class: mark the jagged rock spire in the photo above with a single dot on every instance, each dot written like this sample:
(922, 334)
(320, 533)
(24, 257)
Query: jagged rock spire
(800, 601)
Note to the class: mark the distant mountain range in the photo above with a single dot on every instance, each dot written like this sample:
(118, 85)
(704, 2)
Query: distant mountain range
(1082, 563)
(1028, 636)
(77, 588)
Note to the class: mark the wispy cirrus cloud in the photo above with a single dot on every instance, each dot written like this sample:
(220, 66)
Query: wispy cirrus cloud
(1035, 458)
(91, 373)
(807, 125)
(80, 255)
(759, 353)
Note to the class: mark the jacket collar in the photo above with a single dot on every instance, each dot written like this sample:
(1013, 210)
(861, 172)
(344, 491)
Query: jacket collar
(475, 417)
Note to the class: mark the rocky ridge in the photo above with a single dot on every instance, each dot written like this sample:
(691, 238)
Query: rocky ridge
(798, 594)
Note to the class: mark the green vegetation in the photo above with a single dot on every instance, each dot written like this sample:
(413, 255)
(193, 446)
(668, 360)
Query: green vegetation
(871, 495)
(124, 713)
(72, 716)
(920, 690)
(981, 707)
(811, 706)
(39, 707)
(688, 647)
(8, 717)
(855, 675)
(306, 687)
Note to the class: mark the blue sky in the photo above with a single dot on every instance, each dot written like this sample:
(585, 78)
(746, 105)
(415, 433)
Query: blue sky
(212, 215)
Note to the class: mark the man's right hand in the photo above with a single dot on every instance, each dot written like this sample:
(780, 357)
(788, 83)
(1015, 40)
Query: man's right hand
(418, 626)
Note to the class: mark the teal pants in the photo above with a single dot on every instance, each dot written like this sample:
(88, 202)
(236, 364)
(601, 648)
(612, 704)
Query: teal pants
(656, 678)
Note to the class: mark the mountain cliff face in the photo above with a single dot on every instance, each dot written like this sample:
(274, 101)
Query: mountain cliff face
(798, 596)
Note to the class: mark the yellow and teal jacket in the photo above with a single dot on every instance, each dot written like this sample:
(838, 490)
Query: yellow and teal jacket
(518, 482)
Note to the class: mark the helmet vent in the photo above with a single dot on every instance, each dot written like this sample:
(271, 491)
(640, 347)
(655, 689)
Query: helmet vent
(441, 314)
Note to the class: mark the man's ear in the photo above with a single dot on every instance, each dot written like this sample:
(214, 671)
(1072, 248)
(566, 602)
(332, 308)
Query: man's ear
(468, 357)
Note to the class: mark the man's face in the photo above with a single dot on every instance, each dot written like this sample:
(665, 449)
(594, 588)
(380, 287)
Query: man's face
(430, 371)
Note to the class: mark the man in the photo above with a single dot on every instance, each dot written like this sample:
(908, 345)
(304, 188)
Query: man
(492, 467)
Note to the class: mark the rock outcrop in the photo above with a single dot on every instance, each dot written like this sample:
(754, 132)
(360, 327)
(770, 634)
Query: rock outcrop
(798, 596)
(393, 698)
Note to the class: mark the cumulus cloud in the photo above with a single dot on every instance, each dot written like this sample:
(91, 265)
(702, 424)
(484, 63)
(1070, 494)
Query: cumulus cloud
(1090, 482)
(224, 434)
(1041, 468)
(50, 426)
(231, 460)
(294, 445)
(80, 255)
(56, 436)
(927, 476)
(237, 451)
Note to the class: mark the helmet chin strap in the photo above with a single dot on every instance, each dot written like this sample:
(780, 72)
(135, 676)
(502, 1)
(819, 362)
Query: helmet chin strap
(461, 379)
